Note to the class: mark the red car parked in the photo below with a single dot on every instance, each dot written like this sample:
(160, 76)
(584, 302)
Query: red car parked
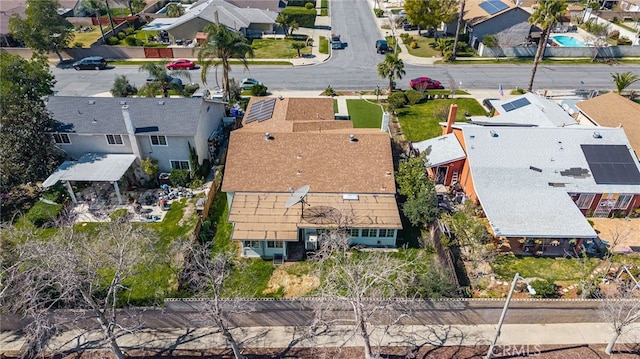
(425, 83)
(181, 64)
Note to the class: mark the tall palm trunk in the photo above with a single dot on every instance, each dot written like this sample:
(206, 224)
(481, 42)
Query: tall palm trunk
(106, 2)
(455, 42)
(542, 45)
(100, 24)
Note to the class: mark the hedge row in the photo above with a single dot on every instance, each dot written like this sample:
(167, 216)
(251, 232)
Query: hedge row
(300, 3)
(304, 17)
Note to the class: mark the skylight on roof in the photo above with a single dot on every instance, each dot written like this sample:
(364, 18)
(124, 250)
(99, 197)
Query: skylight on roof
(516, 104)
(493, 7)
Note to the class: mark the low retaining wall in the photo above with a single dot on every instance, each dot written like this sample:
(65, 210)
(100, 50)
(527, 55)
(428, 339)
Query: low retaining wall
(530, 51)
(111, 52)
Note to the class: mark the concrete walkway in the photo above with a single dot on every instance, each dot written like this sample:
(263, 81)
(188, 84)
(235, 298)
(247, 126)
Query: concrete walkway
(282, 337)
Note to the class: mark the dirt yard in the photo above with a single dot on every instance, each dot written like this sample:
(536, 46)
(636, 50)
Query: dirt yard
(626, 232)
(293, 286)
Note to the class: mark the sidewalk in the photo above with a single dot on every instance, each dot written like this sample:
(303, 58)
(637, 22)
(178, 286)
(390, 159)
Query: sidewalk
(282, 337)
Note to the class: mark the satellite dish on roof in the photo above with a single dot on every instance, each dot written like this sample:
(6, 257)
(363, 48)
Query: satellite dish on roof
(297, 196)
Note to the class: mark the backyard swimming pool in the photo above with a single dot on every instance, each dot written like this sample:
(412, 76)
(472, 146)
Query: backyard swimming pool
(568, 41)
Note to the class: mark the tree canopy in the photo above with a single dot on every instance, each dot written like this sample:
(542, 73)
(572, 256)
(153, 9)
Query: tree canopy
(42, 29)
(429, 14)
(27, 151)
(421, 206)
(392, 68)
(624, 80)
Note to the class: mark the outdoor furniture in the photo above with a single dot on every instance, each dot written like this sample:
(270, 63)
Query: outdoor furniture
(555, 243)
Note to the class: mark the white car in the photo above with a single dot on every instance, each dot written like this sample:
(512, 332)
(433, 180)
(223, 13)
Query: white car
(248, 83)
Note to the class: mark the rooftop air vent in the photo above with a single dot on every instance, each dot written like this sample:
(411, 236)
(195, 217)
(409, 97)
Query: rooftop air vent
(493, 133)
(268, 137)
(352, 138)
(123, 102)
(597, 134)
(535, 169)
(92, 102)
(161, 103)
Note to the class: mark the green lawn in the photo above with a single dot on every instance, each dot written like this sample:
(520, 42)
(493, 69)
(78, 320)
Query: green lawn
(276, 49)
(424, 48)
(87, 38)
(324, 45)
(560, 269)
(419, 123)
(364, 114)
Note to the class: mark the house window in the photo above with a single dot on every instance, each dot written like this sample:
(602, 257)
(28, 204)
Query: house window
(623, 201)
(354, 232)
(114, 140)
(584, 200)
(180, 165)
(386, 233)
(369, 232)
(274, 244)
(252, 244)
(61, 138)
(158, 140)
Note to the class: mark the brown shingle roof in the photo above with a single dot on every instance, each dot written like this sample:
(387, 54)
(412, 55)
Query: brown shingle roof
(474, 14)
(290, 113)
(613, 110)
(327, 162)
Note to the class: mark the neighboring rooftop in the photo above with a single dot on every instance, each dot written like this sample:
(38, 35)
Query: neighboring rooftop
(478, 11)
(527, 110)
(523, 176)
(442, 149)
(103, 115)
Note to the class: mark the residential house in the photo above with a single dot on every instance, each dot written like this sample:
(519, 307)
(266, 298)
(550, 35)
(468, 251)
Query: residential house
(630, 5)
(165, 129)
(251, 22)
(484, 17)
(539, 178)
(612, 110)
(294, 171)
(10, 7)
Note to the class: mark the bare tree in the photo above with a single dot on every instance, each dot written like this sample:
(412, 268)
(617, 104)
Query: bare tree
(79, 270)
(204, 274)
(365, 282)
(620, 308)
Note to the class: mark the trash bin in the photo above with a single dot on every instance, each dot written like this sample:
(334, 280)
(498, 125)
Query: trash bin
(234, 112)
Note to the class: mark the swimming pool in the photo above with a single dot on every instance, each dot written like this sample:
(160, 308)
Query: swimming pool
(568, 41)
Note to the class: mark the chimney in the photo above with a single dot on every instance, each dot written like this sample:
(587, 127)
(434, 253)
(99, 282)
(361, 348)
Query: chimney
(453, 111)
(131, 131)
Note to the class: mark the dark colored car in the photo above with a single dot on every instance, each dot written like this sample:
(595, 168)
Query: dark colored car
(336, 45)
(90, 63)
(408, 27)
(382, 46)
(182, 64)
(425, 83)
(174, 81)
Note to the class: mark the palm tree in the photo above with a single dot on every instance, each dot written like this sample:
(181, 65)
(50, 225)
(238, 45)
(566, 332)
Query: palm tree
(458, 28)
(283, 22)
(298, 45)
(223, 45)
(545, 15)
(293, 26)
(392, 67)
(174, 10)
(163, 77)
(624, 80)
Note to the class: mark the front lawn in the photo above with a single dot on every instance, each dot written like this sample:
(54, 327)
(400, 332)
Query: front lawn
(425, 47)
(364, 114)
(276, 49)
(420, 123)
(560, 269)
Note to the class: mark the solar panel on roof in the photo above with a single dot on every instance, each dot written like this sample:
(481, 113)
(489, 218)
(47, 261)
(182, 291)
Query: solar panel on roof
(514, 105)
(261, 111)
(611, 164)
(493, 7)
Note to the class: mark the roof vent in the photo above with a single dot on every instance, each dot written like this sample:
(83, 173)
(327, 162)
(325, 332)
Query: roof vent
(597, 134)
(123, 102)
(280, 98)
(161, 103)
(352, 138)
(493, 133)
(268, 137)
(535, 169)
(94, 120)
(92, 102)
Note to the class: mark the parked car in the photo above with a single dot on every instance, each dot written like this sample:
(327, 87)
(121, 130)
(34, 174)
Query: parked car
(174, 81)
(335, 37)
(425, 83)
(248, 83)
(181, 64)
(409, 27)
(382, 46)
(336, 45)
(90, 63)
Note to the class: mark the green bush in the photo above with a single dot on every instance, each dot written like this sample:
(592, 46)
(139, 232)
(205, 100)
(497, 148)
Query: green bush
(133, 41)
(329, 91)
(413, 45)
(397, 100)
(113, 41)
(57, 193)
(121, 35)
(258, 90)
(179, 177)
(297, 3)
(129, 30)
(189, 89)
(379, 12)
(414, 97)
(309, 6)
(78, 44)
(304, 17)
(623, 40)
(545, 288)
(614, 35)
(205, 168)
(43, 214)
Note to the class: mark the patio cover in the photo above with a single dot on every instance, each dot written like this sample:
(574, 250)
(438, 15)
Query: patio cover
(164, 23)
(92, 167)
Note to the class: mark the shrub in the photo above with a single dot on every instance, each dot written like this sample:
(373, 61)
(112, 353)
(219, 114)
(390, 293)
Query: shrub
(623, 40)
(129, 30)
(121, 35)
(259, 90)
(78, 44)
(42, 214)
(614, 35)
(304, 17)
(407, 39)
(179, 177)
(413, 45)
(379, 12)
(397, 100)
(189, 89)
(57, 193)
(309, 6)
(113, 40)
(414, 97)
(329, 91)
(132, 41)
(545, 288)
